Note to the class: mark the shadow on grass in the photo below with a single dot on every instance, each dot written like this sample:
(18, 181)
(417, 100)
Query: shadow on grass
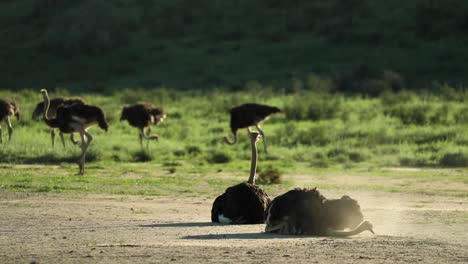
(49, 159)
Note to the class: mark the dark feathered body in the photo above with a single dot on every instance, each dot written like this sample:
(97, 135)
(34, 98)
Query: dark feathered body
(54, 104)
(250, 114)
(75, 118)
(142, 115)
(306, 211)
(243, 203)
(86, 115)
(9, 107)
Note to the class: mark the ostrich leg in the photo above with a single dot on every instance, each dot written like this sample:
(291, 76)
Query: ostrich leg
(86, 139)
(62, 139)
(263, 137)
(140, 136)
(72, 139)
(1, 139)
(10, 128)
(52, 136)
(148, 132)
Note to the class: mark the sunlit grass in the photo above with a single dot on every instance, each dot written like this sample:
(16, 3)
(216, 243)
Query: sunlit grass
(190, 158)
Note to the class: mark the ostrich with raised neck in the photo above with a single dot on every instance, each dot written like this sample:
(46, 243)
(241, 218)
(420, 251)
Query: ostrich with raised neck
(54, 103)
(244, 203)
(75, 118)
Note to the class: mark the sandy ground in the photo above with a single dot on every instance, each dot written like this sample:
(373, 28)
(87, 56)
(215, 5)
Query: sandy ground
(67, 228)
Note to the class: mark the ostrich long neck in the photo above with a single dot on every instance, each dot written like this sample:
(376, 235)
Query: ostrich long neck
(45, 115)
(226, 139)
(338, 233)
(46, 107)
(253, 161)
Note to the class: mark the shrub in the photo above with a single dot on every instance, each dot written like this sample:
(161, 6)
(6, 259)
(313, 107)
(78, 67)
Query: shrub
(320, 160)
(461, 117)
(322, 85)
(179, 153)
(314, 107)
(356, 156)
(389, 98)
(218, 157)
(319, 135)
(193, 150)
(142, 156)
(370, 81)
(270, 175)
(459, 159)
(94, 154)
(411, 113)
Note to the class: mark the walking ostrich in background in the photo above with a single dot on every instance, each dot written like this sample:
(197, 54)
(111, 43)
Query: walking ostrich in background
(247, 115)
(8, 107)
(142, 116)
(244, 203)
(54, 104)
(306, 211)
(75, 118)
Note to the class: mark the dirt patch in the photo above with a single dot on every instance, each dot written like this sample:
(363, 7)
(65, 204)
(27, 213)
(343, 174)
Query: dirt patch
(49, 228)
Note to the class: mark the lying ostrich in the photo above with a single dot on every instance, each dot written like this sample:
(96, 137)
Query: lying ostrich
(54, 104)
(75, 118)
(306, 211)
(8, 107)
(247, 115)
(142, 116)
(244, 203)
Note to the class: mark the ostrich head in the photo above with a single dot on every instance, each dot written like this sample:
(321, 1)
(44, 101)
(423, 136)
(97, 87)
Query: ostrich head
(343, 213)
(44, 93)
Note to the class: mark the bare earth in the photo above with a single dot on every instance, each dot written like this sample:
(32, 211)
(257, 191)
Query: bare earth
(70, 228)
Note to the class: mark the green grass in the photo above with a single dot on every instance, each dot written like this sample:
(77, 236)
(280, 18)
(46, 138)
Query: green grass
(360, 138)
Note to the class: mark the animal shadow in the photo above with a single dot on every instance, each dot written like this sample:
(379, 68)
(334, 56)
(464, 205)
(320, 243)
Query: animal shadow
(240, 236)
(191, 224)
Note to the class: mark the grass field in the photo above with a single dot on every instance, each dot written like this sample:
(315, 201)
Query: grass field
(326, 137)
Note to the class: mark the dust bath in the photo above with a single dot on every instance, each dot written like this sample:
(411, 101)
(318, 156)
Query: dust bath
(67, 228)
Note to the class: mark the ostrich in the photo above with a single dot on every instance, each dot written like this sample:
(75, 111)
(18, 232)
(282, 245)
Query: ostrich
(54, 104)
(244, 203)
(142, 116)
(306, 211)
(75, 118)
(247, 115)
(8, 107)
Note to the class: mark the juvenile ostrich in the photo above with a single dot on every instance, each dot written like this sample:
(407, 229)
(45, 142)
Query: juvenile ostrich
(244, 203)
(247, 115)
(306, 211)
(8, 107)
(54, 104)
(142, 116)
(75, 118)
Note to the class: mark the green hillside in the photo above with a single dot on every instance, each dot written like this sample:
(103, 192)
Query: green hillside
(97, 44)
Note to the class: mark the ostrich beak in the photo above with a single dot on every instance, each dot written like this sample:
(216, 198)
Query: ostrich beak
(372, 231)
